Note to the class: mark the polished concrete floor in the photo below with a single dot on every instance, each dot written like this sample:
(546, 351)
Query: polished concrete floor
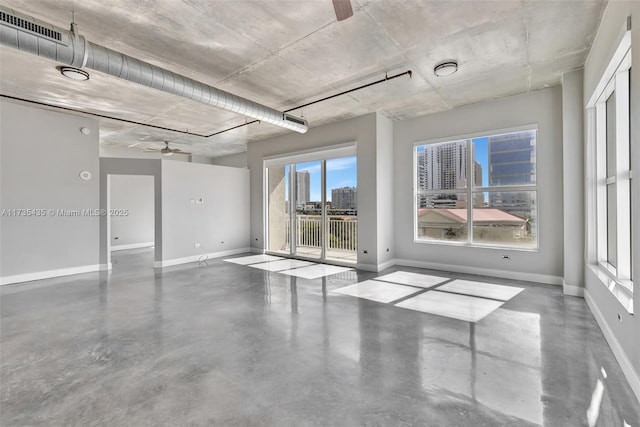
(224, 344)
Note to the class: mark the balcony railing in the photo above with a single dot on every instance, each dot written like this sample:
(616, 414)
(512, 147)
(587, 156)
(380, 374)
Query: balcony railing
(342, 232)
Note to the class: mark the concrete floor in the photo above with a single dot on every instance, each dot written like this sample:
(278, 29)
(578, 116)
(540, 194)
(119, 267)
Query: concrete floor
(230, 345)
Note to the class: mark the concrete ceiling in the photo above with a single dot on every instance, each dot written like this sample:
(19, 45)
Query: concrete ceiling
(287, 53)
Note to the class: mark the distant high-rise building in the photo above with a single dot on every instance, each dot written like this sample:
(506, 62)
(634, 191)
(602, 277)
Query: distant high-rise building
(344, 198)
(512, 158)
(477, 174)
(478, 198)
(512, 162)
(444, 167)
(303, 187)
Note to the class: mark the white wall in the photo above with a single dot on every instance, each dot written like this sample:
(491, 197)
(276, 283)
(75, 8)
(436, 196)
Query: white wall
(543, 108)
(41, 154)
(621, 328)
(135, 195)
(220, 224)
(385, 199)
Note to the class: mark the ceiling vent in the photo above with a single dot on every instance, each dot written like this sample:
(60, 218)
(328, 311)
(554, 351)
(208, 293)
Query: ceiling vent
(293, 119)
(30, 26)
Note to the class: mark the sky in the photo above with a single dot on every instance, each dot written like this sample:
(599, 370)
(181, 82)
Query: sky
(341, 172)
(481, 153)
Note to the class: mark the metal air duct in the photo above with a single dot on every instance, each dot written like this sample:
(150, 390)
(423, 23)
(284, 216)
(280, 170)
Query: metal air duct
(27, 34)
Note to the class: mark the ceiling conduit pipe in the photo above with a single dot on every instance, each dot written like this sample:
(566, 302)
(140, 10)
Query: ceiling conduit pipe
(27, 34)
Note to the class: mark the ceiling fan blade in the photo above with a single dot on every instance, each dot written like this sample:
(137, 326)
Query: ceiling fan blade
(151, 149)
(343, 9)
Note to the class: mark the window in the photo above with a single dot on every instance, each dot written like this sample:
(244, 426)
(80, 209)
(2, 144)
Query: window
(610, 157)
(479, 190)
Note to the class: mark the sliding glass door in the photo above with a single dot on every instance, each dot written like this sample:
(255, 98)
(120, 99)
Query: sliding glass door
(307, 221)
(341, 219)
(311, 207)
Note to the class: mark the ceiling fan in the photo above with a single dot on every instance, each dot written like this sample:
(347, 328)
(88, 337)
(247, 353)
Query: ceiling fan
(343, 9)
(166, 150)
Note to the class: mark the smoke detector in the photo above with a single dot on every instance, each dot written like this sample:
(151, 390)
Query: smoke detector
(74, 73)
(445, 68)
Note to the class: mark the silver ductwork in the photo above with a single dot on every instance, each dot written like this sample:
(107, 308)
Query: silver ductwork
(27, 34)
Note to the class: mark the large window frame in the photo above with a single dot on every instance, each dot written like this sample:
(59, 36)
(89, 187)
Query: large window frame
(470, 190)
(609, 169)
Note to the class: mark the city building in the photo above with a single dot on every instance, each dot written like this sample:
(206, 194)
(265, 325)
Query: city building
(344, 198)
(512, 158)
(443, 166)
(512, 162)
(489, 225)
(302, 187)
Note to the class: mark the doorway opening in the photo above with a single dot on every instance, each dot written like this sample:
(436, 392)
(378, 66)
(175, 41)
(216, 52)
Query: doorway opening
(131, 219)
(312, 206)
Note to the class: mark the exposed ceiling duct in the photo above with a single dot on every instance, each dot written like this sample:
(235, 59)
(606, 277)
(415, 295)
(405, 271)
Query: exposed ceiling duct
(27, 34)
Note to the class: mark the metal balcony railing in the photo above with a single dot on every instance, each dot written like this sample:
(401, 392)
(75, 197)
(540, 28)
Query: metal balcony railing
(342, 232)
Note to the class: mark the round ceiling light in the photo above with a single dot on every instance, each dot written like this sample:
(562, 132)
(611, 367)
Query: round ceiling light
(74, 73)
(445, 69)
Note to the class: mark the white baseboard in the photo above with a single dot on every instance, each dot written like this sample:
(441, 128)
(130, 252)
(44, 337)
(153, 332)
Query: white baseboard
(257, 250)
(367, 267)
(616, 348)
(385, 265)
(28, 277)
(132, 246)
(574, 291)
(106, 267)
(529, 277)
(196, 258)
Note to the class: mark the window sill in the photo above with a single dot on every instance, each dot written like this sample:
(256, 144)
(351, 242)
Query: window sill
(620, 291)
(475, 245)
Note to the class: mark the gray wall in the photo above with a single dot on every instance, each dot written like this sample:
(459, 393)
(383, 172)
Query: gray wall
(219, 224)
(234, 160)
(42, 154)
(112, 151)
(573, 179)
(623, 334)
(135, 194)
(543, 108)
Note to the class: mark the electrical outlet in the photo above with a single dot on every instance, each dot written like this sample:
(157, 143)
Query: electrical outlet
(196, 245)
(199, 200)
